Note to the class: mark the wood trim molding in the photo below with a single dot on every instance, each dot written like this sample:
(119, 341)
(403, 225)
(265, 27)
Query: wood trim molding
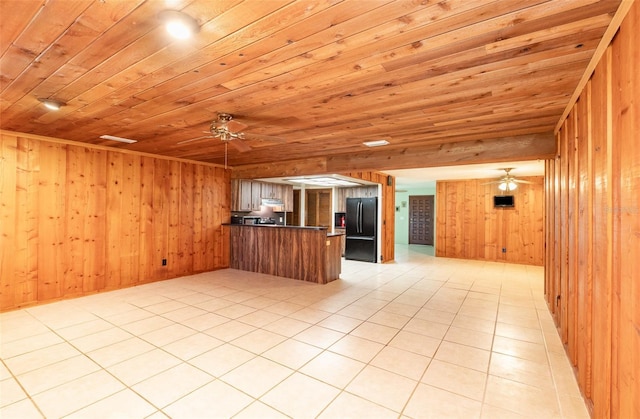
(523, 147)
(102, 147)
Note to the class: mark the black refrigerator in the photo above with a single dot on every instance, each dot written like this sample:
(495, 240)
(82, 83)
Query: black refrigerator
(361, 229)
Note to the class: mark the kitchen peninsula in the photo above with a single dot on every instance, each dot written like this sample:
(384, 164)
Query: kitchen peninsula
(305, 253)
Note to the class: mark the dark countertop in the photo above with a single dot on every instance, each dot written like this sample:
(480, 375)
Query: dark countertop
(329, 234)
(277, 226)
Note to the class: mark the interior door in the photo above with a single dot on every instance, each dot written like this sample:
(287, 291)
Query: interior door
(421, 214)
(318, 207)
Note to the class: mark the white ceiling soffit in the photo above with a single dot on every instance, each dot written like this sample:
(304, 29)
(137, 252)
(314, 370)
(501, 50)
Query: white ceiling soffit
(415, 178)
(319, 181)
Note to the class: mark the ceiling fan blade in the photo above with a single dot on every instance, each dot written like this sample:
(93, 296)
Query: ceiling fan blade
(240, 145)
(258, 137)
(521, 181)
(235, 126)
(195, 139)
(491, 183)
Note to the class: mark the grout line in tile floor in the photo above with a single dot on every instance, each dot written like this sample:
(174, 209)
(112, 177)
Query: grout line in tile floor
(422, 337)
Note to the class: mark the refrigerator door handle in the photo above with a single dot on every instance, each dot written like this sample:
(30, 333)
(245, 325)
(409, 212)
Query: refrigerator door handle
(360, 230)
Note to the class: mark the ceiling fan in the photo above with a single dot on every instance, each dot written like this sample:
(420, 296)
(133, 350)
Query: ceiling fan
(229, 130)
(508, 182)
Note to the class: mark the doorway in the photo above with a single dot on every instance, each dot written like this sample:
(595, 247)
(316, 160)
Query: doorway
(318, 208)
(421, 215)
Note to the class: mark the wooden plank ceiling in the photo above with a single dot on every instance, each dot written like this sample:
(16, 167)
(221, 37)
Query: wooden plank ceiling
(322, 76)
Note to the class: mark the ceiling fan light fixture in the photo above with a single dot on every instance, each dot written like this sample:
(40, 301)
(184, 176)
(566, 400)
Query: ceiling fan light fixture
(52, 104)
(507, 186)
(179, 25)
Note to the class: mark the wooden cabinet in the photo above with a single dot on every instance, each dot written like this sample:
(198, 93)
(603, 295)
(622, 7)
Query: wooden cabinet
(354, 192)
(303, 253)
(278, 191)
(343, 239)
(246, 195)
(286, 194)
(269, 190)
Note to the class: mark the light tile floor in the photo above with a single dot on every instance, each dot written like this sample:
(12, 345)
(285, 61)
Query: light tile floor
(422, 337)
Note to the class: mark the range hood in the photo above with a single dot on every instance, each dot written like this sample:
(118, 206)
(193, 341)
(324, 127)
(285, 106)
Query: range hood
(272, 204)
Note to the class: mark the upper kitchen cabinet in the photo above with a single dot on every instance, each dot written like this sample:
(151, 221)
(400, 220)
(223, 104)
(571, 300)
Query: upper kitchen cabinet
(354, 192)
(287, 197)
(247, 195)
(278, 191)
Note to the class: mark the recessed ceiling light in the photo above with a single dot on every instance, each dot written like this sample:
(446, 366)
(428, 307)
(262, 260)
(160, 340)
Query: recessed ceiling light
(376, 143)
(52, 104)
(120, 139)
(178, 24)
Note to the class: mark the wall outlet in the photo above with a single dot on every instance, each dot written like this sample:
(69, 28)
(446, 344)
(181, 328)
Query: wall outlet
(164, 262)
(504, 250)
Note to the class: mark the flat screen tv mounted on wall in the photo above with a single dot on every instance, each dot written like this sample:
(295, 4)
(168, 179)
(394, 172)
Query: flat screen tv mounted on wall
(503, 201)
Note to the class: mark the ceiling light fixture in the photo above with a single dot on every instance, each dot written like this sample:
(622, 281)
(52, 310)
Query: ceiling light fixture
(376, 143)
(507, 186)
(178, 24)
(52, 104)
(120, 139)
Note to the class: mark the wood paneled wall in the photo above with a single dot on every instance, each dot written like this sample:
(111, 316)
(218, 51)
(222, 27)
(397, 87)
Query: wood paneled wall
(388, 210)
(469, 227)
(75, 219)
(593, 230)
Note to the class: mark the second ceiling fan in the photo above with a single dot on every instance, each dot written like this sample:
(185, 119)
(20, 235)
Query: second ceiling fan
(508, 182)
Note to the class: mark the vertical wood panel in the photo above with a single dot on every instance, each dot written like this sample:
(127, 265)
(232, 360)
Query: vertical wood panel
(469, 220)
(26, 247)
(209, 218)
(602, 240)
(626, 283)
(605, 221)
(9, 295)
(198, 249)
(187, 226)
(115, 182)
(161, 192)
(147, 250)
(441, 219)
(130, 216)
(564, 238)
(468, 225)
(571, 235)
(174, 208)
(557, 240)
(550, 222)
(95, 196)
(480, 219)
(51, 243)
(492, 233)
(76, 219)
(585, 240)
